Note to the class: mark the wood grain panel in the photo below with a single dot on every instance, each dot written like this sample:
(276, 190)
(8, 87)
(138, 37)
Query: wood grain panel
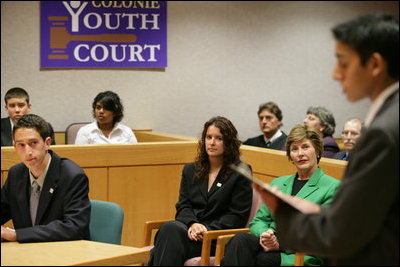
(152, 153)
(60, 138)
(98, 183)
(150, 136)
(3, 177)
(145, 193)
(141, 136)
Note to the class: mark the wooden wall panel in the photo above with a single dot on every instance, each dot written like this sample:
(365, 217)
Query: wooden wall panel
(98, 183)
(60, 138)
(145, 193)
(152, 153)
(3, 176)
(150, 136)
(263, 177)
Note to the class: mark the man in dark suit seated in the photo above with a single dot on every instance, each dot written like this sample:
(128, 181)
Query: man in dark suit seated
(17, 105)
(351, 133)
(270, 119)
(45, 196)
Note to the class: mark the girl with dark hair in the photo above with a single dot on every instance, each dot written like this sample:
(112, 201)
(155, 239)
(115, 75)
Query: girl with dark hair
(211, 197)
(107, 129)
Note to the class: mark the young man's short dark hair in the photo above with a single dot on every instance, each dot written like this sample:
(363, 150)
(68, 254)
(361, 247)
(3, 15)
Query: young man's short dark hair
(372, 33)
(16, 92)
(34, 122)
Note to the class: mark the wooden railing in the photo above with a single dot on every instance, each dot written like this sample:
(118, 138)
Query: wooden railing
(150, 136)
(141, 135)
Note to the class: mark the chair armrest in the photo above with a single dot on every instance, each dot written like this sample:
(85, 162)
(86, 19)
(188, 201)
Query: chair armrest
(224, 239)
(299, 259)
(149, 226)
(220, 250)
(209, 236)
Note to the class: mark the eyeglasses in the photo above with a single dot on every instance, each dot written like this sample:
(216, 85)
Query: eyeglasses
(346, 133)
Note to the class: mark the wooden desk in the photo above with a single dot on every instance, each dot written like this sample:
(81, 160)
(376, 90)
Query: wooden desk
(70, 253)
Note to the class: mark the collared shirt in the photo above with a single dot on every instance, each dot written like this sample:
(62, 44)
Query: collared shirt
(12, 127)
(40, 179)
(91, 134)
(274, 137)
(12, 124)
(378, 102)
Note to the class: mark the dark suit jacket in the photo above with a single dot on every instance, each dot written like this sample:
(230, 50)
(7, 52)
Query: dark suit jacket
(64, 208)
(278, 144)
(361, 226)
(330, 147)
(340, 155)
(6, 139)
(6, 136)
(227, 204)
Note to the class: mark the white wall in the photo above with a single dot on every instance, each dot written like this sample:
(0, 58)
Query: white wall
(224, 58)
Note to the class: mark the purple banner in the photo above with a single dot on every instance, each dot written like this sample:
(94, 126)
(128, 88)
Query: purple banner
(103, 34)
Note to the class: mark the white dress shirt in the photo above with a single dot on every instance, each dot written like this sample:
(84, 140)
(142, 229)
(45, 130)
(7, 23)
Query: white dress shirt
(274, 137)
(91, 134)
(378, 102)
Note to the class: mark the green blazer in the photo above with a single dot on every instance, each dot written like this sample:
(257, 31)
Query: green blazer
(319, 189)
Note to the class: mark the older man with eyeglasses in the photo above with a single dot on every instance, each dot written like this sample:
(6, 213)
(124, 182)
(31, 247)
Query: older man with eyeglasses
(351, 133)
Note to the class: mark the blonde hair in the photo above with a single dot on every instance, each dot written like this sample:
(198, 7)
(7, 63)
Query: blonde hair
(300, 132)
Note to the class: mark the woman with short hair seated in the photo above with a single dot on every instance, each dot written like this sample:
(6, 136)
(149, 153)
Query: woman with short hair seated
(304, 149)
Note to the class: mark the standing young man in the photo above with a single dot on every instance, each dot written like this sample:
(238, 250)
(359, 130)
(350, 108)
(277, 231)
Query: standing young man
(361, 226)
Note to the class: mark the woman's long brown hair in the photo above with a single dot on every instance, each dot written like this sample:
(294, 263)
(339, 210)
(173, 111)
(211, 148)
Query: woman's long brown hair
(231, 148)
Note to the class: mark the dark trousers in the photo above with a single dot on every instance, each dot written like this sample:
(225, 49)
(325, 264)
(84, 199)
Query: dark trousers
(172, 246)
(244, 249)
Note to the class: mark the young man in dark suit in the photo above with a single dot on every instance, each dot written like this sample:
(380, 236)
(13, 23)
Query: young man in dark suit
(361, 226)
(45, 196)
(270, 120)
(17, 105)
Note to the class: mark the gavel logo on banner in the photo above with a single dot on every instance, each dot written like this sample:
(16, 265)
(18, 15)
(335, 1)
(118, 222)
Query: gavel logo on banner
(60, 37)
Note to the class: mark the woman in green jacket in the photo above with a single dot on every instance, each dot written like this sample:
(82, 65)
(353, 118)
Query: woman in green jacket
(304, 148)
